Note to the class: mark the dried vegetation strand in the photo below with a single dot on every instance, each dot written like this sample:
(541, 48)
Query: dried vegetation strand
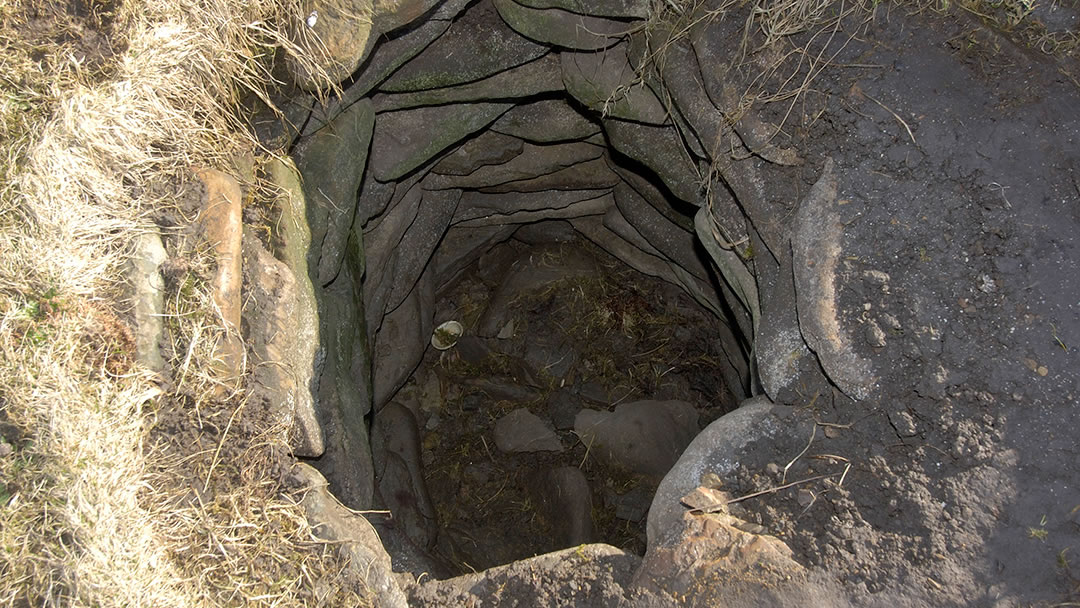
(106, 107)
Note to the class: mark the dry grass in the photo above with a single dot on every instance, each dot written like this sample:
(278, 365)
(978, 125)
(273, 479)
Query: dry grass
(105, 107)
(786, 44)
(1017, 20)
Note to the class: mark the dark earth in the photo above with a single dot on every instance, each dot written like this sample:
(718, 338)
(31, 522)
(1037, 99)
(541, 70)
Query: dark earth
(963, 483)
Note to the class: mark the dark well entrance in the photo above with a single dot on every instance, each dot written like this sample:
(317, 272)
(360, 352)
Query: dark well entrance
(549, 422)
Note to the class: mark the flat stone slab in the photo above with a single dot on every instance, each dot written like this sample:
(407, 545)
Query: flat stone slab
(332, 164)
(358, 544)
(675, 242)
(534, 161)
(589, 175)
(407, 139)
(660, 149)
(534, 78)
(488, 148)
(606, 83)
(463, 245)
(815, 250)
(562, 28)
(284, 336)
(399, 472)
(523, 431)
(392, 14)
(148, 297)
(402, 339)
(480, 205)
(588, 207)
(620, 9)
(546, 121)
(643, 437)
(477, 45)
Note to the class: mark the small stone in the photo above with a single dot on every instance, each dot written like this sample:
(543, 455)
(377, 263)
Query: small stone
(772, 469)
(594, 392)
(890, 321)
(877, 276)
(712, 480)
(564, 499)
(6, 450)
(479, 473)
(1042, 371)
(1031, 364)
(706, 500)
(472, 350)
(634, 505)
(875, 336)
(832, 432)
(563, 407)
(472, 402)
(507, 331)
(805, 497)
(905, 423)
(523, 431)
(749, 528)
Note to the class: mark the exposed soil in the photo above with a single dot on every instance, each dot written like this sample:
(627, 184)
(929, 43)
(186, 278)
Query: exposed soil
(86, 33)
(959, 266)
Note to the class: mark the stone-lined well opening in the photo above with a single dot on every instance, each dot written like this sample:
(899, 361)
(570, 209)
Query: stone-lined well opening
(599, 336)
(542, 195)
(590, 356)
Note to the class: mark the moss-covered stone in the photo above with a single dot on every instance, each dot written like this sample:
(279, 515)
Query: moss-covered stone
(607, 84)
(660, 149)
(562, 28)
(620, 9)
(478, 45)
(534, 78)
(332, 163)
(546, 121)
(408, 138)
(338, 36)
